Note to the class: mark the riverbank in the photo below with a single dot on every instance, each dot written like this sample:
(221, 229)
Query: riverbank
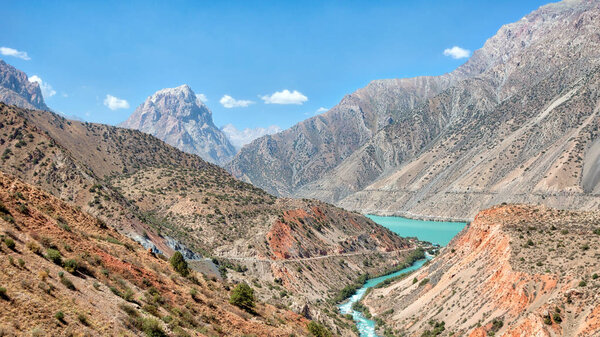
(413, 216)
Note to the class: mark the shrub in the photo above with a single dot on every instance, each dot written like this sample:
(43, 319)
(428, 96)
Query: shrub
(179, 264)
(128, 295)
(66, 282)
(595, 276)
(34, 247)
(21, 263)
(556, 317)
(318, 330)
(582, 283)
(129, 310)
(10, 243)
(60, 316)
(242, 296)
(151, 328)
(54, 256)
(151, 309)
(82, 319)
(3, 293)
(70, 265)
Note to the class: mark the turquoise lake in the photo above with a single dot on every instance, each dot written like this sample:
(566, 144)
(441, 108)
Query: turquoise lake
(439, 232)
(433, 231)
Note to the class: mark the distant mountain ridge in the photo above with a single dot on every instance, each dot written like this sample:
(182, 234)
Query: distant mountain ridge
(514, 123)
(179, 118)
(16, 89)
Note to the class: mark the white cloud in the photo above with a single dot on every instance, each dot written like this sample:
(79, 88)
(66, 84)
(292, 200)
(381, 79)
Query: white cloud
(115, 103)
(317, 112)
(13, 52)
(47, 90)
(202, 97)
(239, 138)
(230, 102)
(285, 97)
(457, 52)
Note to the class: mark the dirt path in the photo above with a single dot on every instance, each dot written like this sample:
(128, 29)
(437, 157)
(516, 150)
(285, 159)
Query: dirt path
(320, 257)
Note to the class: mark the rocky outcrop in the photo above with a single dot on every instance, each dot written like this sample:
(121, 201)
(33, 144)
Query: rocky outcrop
(178, 117)
(514, 271)
(16, 89)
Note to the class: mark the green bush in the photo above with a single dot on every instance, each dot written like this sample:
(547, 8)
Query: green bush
(70, 265)
(66, 282)
(60, 316)
(242, 296)
(152, 328)
(3, 293)
(54, 256)
(10, 243)
(179, 264)
(318, 330)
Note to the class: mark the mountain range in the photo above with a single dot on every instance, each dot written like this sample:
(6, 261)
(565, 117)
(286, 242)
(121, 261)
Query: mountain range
(513, 124)
(136, 230)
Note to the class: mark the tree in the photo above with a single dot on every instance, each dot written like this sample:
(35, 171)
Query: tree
(318, 330)
(243, 296)
(179, 264)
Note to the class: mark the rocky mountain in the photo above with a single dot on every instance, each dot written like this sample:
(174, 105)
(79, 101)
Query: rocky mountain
(16, 89)
(514, 271)
(516, 123)
(169, 200)
(179, 118)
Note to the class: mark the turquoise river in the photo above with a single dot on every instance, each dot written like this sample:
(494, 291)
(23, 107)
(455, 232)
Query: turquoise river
(436, 232)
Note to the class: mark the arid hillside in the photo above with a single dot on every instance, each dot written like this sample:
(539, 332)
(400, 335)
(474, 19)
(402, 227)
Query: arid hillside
(515, 271)
(64, 272)
(297, 253)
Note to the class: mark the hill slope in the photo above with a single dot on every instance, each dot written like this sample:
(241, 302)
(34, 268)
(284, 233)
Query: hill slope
(169, 200)
(114, 286)
(515, 271)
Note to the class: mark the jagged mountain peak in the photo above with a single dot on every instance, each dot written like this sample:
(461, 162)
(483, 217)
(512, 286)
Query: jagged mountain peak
(178, 117)
(16, 89)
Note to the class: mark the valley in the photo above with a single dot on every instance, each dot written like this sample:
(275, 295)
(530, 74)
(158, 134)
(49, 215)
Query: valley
(462, 204)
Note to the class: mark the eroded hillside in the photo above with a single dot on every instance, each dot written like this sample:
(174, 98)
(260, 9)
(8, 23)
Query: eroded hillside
(65, 272)
(515, 271)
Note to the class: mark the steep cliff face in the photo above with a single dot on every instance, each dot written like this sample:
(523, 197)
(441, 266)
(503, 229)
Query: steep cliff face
(16, 89)
(512, 124)
(178, 117)
(515, 271)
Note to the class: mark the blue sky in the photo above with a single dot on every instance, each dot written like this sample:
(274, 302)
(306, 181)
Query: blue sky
(247, 50)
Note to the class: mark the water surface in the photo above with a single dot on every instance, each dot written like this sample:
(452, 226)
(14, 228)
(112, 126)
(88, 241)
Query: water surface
(439, 232)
